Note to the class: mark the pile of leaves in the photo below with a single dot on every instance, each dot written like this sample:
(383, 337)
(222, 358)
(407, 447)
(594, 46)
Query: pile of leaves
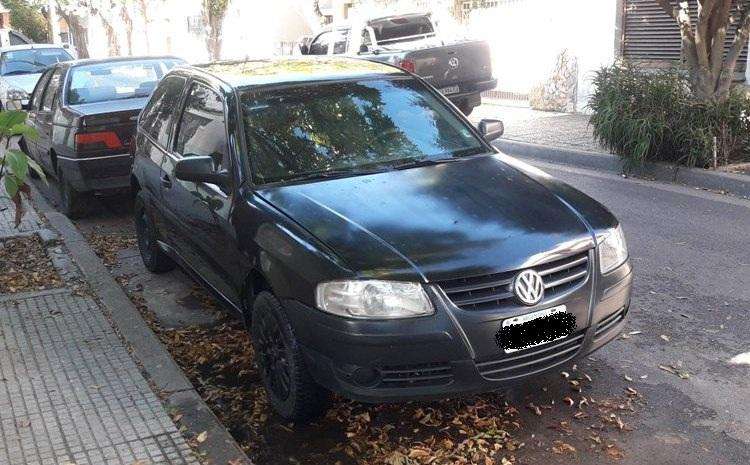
(485, 429)
(108, 245)
(25, 266)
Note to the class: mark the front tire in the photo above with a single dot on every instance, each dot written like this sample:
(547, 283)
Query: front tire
(154, 258)
(291, 389)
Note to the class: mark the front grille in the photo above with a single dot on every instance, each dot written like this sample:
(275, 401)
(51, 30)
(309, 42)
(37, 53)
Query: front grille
(425, 374)
(494, 291)
(533, 360)
(609, 322)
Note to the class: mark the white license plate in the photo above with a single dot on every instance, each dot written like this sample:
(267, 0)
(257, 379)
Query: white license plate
(450, 90)
(530, 317)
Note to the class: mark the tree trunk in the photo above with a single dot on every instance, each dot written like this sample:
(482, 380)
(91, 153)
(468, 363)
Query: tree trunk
(113, 45)
(128, 22)
(711, 72)
(146, 21)
(213, 17)
(77, 31)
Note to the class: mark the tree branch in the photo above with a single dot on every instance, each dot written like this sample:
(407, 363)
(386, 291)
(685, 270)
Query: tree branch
(739, 43)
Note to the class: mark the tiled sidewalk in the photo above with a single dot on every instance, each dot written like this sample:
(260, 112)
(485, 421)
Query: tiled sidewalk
(540, 127)
(70, 393)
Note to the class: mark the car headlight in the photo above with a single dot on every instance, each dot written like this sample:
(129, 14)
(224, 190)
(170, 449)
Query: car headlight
(17, 94)
(613, 250)
(373, 299)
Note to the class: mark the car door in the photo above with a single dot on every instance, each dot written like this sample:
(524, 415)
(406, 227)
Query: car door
(200, 213)
(153, 137)
(44, 119)
(35, 102)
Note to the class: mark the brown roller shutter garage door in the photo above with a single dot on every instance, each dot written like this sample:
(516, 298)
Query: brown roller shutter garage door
(650, 35)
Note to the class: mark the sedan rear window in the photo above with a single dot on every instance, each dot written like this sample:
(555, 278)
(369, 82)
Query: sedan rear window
(350, 126)
(31, 61)
(116, 80)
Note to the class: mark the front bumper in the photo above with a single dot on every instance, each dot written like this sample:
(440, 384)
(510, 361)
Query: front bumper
(443, 355)
(101, 174)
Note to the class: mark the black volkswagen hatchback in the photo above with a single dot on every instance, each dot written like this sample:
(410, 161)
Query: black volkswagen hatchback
(374, 241)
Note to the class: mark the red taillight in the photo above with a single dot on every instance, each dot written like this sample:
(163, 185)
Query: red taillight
(98, 140)
(408, 65)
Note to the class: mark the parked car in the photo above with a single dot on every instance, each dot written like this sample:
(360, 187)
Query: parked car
(460, 69)
(20, 69)
(85, 113)
(374, 241)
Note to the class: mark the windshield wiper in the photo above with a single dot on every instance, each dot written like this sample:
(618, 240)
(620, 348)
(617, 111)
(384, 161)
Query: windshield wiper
(425, 162)
(329, 174)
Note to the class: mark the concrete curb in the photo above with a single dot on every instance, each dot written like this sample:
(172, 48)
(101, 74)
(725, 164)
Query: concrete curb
(736, 184)
(220, 447)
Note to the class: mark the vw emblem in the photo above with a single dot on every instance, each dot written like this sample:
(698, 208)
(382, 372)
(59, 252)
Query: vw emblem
(528, 286)
(453, 62)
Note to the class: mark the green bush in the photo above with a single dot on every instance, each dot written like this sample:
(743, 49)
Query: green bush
(644, 115)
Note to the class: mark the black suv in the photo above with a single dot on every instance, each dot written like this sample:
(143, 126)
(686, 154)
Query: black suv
(374, 241)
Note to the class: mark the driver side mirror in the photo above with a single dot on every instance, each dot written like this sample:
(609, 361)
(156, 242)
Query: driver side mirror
(194, 168)
(491, 129)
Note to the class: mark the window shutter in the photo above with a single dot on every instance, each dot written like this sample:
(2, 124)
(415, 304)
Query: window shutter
(651, 35)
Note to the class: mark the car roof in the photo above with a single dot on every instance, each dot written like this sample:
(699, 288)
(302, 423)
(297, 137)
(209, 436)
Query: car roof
(95, 61)
(287, 70)
(11, 48)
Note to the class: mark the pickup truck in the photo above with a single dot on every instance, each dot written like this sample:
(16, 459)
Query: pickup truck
(460, 69)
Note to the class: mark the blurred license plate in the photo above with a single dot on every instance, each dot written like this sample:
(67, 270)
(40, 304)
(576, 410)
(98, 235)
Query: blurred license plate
(536, 328)
(450, 90)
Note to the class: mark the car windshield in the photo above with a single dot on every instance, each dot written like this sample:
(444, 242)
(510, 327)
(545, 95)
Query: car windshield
(31, 61)
(116, 80)
(351, 126)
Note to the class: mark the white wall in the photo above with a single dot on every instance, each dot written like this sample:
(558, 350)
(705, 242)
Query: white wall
(526, 36)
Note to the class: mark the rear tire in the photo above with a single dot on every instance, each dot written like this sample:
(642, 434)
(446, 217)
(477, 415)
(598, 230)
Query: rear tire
(291, 389)
(154, 258)
(73, 203)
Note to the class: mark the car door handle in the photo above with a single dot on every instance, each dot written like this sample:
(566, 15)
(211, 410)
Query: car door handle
(165, 181)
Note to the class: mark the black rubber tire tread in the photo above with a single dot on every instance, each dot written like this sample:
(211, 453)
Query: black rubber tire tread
(307, 399)
(73, 204)
(154, 259)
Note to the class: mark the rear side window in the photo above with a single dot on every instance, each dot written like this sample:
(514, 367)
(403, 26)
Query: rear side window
(36, 96)
(202, 131)
(155, 117)
(50, 93)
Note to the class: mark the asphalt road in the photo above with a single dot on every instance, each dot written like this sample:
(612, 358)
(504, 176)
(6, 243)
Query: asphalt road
(690, 310)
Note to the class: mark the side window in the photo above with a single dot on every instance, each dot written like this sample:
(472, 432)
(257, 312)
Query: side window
(366, 43)
(156, 116)
(36, 96)
(340, 41)
(202, 131)
(50, 93)
(320, 44)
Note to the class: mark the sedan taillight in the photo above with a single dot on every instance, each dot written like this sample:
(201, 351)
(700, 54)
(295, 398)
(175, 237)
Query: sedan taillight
(408, 65)
(98, 140)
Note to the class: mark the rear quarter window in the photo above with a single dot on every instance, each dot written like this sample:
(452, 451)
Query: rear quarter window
(157, 115)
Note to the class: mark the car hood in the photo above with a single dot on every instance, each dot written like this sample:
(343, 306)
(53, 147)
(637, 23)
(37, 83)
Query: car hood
(22, 81)
(471, 217)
